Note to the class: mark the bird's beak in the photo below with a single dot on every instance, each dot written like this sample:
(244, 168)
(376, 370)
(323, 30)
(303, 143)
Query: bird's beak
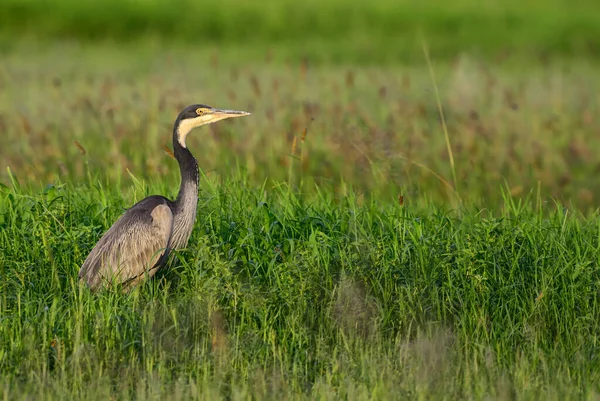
(220, 114)
(224, 113)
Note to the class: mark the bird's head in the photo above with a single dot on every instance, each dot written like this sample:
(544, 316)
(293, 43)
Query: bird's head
(197, 115)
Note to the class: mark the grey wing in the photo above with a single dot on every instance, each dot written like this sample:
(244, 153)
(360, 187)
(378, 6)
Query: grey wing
(135, 245)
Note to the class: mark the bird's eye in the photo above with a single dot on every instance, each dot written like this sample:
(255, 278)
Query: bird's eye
(200, 111)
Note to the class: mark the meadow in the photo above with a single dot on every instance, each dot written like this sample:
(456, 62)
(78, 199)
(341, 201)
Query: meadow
(333, 31)
(419, 223)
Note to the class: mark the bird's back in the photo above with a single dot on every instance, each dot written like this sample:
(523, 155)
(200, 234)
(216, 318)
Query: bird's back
(134, 246)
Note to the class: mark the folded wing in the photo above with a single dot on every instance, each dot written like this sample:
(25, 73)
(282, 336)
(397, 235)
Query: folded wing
(134, 247)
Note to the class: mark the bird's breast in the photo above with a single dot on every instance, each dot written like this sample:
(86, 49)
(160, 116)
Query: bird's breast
(184, 218)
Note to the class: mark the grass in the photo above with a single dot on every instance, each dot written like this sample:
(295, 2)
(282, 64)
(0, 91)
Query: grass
(64, 109)
(350, 242)
(334, 31)
(279, 297)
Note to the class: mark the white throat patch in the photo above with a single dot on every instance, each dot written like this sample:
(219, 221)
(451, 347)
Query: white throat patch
(186, 126)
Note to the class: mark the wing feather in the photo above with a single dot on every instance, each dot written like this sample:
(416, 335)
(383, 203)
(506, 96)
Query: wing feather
(133, 248)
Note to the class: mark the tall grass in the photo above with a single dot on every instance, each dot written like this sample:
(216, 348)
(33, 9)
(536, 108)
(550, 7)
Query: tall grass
(65, 108)
(331, 258)
(277, 297)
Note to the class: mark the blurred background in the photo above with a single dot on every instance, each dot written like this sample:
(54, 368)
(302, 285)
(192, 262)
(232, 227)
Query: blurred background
(344, 93)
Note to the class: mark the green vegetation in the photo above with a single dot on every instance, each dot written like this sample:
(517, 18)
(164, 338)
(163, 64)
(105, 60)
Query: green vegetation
(358, 31)
(66, 111)
(351, 243)
(283, 298)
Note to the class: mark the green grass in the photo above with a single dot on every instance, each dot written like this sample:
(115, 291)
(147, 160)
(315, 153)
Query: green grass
(283, 297)
(332, 31)
(337, 252)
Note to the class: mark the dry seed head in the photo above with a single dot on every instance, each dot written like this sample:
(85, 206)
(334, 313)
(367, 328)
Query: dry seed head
(349, 79)
(168, 151)
(26, 125)
(214, 59)
(294, 146)
(231, 95)
(81, 148)
(303, 69)
(304, 132)
(255, 85)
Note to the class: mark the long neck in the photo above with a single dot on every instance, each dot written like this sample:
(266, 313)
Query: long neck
(188, 168)
(187, 198)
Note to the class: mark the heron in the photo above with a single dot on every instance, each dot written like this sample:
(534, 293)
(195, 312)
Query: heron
(139, 243)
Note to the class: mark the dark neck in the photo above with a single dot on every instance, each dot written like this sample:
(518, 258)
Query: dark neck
(188, 167)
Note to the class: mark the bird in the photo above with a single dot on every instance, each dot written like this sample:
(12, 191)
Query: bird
(140, 241)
